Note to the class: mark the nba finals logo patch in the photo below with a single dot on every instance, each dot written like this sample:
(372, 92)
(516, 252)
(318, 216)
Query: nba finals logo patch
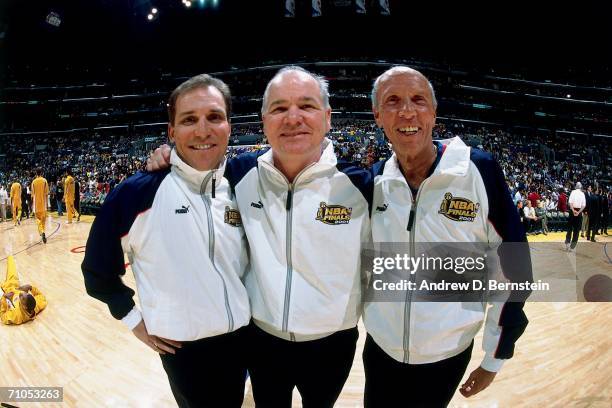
(232, 217)
(333, 214)
(458, 208)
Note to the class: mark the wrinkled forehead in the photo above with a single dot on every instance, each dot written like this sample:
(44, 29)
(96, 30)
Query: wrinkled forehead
(402, 82)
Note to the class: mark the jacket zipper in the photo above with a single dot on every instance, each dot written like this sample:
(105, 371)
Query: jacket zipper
(211, 244)
(289, 208)
(288, 245)
(412, 250)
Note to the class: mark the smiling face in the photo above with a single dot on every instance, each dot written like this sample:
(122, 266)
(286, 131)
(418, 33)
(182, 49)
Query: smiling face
(201, 128)
(295, 119)
(405, 110)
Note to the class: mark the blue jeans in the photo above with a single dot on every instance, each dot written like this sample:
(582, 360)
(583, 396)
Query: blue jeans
(59, 208)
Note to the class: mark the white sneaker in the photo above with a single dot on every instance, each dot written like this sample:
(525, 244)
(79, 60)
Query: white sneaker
(567, 247)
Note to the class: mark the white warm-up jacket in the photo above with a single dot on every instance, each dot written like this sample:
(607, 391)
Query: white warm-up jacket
(305, 237)
(426, 332)
(184, 238)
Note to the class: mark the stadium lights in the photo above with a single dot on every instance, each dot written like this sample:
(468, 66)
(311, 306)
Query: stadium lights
(152, 14)
(203, 3)
(569, 96)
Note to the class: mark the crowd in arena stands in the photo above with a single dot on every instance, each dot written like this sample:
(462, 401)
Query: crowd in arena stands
(99, 162)
(358, 141)
(540, 169)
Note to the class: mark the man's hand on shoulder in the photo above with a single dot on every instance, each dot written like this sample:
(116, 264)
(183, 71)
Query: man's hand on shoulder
(159, 159)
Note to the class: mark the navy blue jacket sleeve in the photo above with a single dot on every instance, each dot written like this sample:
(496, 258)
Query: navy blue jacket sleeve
(104, 265)
(361, 178)
(239, 166)
(514, 254)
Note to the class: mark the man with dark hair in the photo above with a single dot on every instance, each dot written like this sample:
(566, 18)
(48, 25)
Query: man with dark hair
(25, 200)
(197, 82)
(183, 234)
(594, 206)
(19, 303)
(59, 196)
(521, 214)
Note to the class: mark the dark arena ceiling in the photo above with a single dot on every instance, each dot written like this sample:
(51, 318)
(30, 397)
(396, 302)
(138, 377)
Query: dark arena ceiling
(100, 35)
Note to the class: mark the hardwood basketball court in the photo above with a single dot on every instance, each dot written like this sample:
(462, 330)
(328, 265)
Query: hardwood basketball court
(564, 358)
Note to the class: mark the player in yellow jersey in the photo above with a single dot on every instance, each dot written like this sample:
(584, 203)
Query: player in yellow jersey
(40, 192)
(16, 202)
(69, 196)
(19, 304)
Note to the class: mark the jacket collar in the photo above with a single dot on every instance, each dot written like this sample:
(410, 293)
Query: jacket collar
(456, 158)
(455, 161)
(327, 161)
(192, 176)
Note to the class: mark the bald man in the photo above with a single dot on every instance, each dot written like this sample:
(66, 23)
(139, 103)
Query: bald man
(424, 348)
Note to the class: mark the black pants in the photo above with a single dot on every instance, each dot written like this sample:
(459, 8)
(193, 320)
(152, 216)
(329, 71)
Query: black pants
(390, 383)
(573, 228)
(593, 227)
(318, 368)
(25, 209)
(532, 225)
(210, 372)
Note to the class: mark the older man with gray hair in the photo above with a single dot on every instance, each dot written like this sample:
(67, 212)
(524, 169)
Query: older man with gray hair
(305, 214)
(424, 347)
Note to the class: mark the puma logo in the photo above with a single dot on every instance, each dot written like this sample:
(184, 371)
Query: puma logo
(383, 208)
(182, 210)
